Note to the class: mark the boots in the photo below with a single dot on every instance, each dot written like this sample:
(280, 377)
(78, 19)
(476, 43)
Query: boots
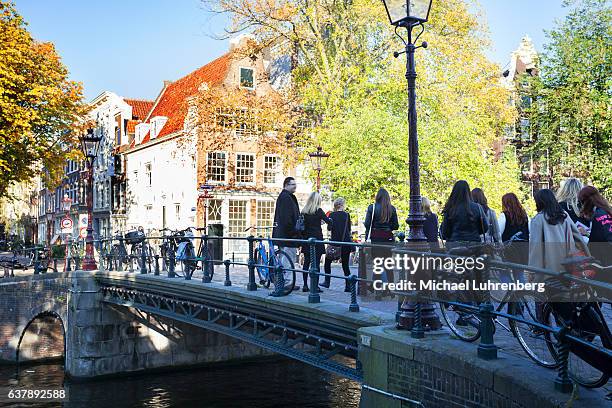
(327, 281)
(347, 286)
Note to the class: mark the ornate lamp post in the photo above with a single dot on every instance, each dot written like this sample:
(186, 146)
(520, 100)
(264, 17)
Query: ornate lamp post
(410, 14)
(67, 204)
(204, 193)
(318, 160)
(89, 146)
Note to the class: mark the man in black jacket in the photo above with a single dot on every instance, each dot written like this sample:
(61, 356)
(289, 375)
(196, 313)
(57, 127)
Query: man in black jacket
(286, 214)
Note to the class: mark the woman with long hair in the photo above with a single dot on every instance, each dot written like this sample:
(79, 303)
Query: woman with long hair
(340, 232)
(553, 234)
(493, 234)
(464, 220)
(567, 196)
(514, 229)
(380, 222)
(430, 226)
(313, 217)
(596, 209)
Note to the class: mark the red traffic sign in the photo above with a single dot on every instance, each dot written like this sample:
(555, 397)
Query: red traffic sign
(66, 223)
(83, 232)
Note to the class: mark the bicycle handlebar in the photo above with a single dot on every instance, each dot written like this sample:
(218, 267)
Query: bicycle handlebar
(254, 227)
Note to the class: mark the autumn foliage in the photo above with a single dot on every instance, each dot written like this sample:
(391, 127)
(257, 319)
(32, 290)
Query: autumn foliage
(40, 108)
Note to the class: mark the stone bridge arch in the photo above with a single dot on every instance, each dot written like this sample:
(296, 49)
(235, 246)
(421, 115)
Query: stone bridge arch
(43, 337)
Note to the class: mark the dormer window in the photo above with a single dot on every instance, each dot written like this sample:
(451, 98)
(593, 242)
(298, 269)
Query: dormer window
(246, 78)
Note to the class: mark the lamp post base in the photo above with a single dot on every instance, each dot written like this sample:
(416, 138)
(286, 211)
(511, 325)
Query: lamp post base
(89, 265)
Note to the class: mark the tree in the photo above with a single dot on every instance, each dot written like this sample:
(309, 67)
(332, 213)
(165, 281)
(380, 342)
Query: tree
(39, 107)
(572, 95)
(345, 75)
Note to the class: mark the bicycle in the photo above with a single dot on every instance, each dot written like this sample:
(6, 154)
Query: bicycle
(186, 254)
(268, 259)
(586, 321)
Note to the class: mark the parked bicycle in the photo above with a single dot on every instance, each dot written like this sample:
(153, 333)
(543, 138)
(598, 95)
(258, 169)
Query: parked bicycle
(188, 257)
(137, 241)
(269, 260)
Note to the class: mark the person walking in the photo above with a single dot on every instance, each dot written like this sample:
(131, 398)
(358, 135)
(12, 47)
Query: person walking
(567, 196)
(492, 235)
(464, 220)
(553, 235)
(286, 214)
(430, 226)
(380, 222)
(598, 211)
(340, 232)
(313, 218)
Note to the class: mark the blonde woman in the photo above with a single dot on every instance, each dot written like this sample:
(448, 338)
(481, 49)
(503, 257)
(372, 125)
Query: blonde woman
(340, 232)
(567, 197)
(313, 216)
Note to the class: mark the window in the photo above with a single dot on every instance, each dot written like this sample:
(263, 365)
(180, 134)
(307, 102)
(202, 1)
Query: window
(177, 211)
(148, 209)
(271, 169)
(117, 130)
(526, 163)
(525, 129)
(265, 213)
(245, 168)
(246, 78)
(216, 166)
(237, 222)
(214, 210)
(148, 177)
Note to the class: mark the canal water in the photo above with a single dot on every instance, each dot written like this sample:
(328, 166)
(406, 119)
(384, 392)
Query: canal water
(279, 383)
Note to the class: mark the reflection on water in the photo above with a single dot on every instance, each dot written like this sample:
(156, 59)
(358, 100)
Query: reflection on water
(256, 384)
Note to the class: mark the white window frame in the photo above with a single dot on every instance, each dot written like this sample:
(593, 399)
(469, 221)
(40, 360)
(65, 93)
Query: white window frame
(149, 174)
(257, 206)
(245, 183)
(278, 169)
(225, 175)
(240, 68)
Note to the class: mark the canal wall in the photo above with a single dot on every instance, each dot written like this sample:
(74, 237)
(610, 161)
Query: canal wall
(439, 371)
(103, 339)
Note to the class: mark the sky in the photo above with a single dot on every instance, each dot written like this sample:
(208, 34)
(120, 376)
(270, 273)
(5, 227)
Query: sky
(131, 47)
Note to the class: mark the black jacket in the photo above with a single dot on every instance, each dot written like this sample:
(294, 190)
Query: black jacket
(312, 229)
(430, 227)
(391, 225)
(286, 214)
(464, 226)
(341, 225)
(600, 240)
(570, 211)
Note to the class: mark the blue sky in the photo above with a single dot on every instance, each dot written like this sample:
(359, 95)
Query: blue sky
(130, 47)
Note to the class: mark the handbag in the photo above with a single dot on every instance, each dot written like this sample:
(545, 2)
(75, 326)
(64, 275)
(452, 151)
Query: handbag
(576, 262)
(334, 252)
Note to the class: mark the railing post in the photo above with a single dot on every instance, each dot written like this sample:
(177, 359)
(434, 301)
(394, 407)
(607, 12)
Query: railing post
(156, 265)
(102, 255)
(143, 258)
(171, 262)
(313, 296)
(13, 262)
(206, 278)
(279, 280)
(77, 262)
(353, 307)
(251, 285)
(563, 383)
(36, 262)
(227, 282)
(487, 349)
(417, 331)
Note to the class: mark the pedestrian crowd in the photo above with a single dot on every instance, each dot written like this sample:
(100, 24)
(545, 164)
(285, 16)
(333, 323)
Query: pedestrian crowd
(576, 221)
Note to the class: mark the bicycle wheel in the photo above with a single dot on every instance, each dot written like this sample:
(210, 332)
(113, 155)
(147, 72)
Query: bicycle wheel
(535, 341)
(288, 271)
(462, 321)
(579, 370)
(262, 271)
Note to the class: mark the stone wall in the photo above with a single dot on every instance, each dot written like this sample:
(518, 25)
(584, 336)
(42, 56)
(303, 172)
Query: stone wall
(24, 301)
(104, 339)
(439, 371)
(42, 340)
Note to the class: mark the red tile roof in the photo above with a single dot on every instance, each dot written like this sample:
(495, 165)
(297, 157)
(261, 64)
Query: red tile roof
(146, 138)
(172, 103)
(140, 108)
(131, 126)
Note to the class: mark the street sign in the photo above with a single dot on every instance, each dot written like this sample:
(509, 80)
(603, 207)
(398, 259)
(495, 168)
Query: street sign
(83, 232)
(66, 224)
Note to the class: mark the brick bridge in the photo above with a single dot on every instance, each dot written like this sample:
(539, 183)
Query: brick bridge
(106, 323)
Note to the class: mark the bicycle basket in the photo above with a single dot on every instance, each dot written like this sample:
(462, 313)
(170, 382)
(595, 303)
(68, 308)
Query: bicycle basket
(134, 237)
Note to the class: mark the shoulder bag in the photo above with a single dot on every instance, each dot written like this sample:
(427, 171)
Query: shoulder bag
(334, 252)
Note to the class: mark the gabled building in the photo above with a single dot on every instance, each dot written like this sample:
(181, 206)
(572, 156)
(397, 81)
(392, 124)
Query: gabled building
(535, 169)
(172, 154)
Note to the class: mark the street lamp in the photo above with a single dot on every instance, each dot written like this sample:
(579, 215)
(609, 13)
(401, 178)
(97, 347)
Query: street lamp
(67, 204)
(89, 146)
(318, 160)
(410, 14)
(204, 194)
